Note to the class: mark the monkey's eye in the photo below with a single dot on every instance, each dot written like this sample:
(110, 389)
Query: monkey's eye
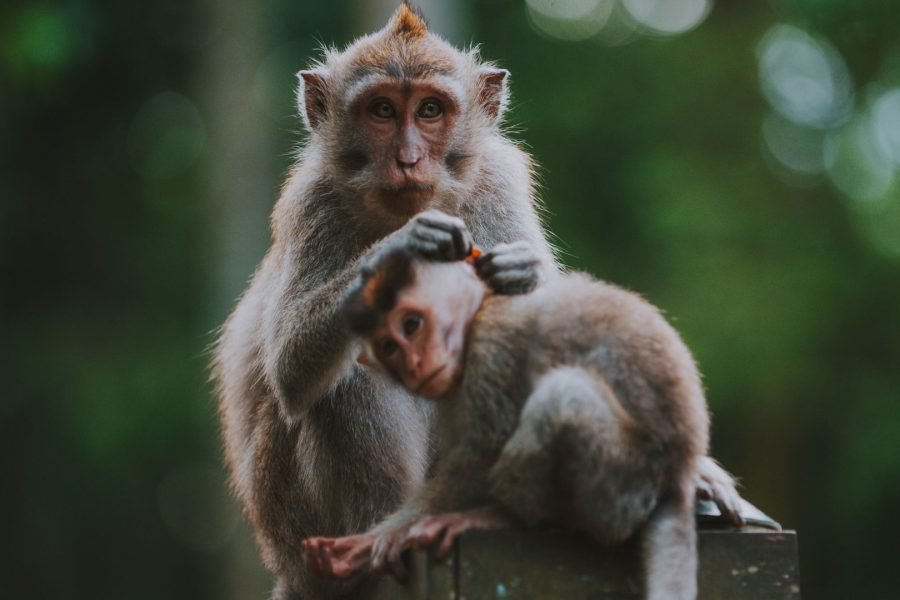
(412, 323)
(382, 109)
(389, 347)
(430, 109)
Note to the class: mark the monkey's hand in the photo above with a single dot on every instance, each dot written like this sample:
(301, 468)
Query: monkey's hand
(339, 558)
(388, 551)
(716, 484)
(436, 236)
(443, 529)
(509, 268)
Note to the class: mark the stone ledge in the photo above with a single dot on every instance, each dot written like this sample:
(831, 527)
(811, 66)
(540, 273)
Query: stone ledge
(749, 564)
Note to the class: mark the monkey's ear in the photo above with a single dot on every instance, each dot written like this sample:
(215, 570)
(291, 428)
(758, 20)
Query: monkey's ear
(364, 359)
(312, 97)
(493, 92)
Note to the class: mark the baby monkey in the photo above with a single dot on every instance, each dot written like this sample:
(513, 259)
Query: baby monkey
(575, 405)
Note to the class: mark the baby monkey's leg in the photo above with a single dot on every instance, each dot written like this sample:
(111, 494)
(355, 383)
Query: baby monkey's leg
(574, 460)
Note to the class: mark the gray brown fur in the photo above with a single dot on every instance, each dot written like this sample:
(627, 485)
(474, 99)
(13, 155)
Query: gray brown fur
(314, 444)
(579, 406)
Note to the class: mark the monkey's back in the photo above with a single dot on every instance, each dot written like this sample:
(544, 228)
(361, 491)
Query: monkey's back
(633, 347)
(578, 321)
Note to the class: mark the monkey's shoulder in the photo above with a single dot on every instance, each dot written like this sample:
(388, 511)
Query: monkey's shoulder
(576, 302)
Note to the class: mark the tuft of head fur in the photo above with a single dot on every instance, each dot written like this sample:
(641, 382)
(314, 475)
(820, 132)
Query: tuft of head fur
(408, 21)
(403, 49)
(376, 292)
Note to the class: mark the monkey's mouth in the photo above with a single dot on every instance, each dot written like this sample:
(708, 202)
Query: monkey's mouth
(422, 388)
(407, 201)
(409, 188)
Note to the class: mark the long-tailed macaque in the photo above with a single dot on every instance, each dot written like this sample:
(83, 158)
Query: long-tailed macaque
(576, 404)
(399, 122)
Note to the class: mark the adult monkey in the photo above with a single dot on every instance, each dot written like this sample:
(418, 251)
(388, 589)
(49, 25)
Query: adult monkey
(400, 122)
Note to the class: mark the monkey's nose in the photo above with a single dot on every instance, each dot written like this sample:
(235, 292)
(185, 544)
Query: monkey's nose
(407, 163)
(414, 364)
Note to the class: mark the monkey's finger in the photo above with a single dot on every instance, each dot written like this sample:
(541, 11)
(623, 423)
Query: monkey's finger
(439, 220)
(427, 250)
(506, 260)
(312, 547)
(434, 236)
(425, 532)
(485, 267)
(434, 244)
(462, 241)
(309, 550)
(349, 567)
(457, 230)
(450, 535)
(524, 272)
(731, 512)
(510, 282)
(323, 560)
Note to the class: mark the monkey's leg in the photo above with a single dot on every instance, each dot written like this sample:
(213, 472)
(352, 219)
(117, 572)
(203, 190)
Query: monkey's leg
(447, 527)
(571, 461)
(525, 476)
(670, 551)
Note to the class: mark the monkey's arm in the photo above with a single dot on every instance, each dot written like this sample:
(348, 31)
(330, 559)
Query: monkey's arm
(307, 349)
(459, 484)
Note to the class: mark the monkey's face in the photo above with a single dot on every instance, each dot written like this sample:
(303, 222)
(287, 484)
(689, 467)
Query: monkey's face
(401, 135)
(421, 341)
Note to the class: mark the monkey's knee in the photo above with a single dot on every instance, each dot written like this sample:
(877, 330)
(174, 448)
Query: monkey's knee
(569, 399)
(527, 475)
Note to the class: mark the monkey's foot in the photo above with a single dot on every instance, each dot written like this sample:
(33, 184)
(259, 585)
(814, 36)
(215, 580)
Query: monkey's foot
(449, 526)
(339, 558)
(716, 484)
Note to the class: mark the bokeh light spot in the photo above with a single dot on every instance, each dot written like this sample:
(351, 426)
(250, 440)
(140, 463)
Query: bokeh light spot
(668, 17)
(882, 227)
(804, 78)
(795, 147)
(41, 38)
(857, 164)
(167, 136)
(572, 20)
(886, 122)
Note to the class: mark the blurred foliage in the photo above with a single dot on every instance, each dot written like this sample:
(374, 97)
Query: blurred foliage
(657, 174)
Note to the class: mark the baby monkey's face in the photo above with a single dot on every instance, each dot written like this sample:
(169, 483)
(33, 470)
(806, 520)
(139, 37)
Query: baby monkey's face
(421, 341)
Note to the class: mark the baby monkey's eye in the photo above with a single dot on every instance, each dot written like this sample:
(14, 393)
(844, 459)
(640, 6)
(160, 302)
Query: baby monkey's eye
(382, 109)
(429, 109)
(388, 348)
(412, 323)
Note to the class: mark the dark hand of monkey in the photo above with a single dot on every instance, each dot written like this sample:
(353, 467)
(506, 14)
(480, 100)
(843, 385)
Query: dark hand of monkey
(509, 268)
(438, 236)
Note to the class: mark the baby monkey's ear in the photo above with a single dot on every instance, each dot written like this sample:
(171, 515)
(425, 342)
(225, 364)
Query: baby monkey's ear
(357, 310)
(375, 291)
(365, 360)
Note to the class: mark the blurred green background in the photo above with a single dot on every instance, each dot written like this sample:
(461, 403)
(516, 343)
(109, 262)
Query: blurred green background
(736, 162)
